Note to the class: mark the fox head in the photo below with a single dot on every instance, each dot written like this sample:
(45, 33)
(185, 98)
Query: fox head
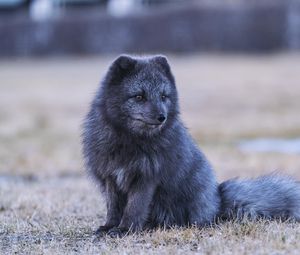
(139, 95)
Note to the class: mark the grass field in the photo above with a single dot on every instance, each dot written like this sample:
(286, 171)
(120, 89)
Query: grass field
(48, 205)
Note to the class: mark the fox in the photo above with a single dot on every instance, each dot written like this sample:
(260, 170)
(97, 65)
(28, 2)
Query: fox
(149, 168)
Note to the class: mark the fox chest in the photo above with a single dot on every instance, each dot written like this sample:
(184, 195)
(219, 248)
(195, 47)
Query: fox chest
(128, 169)
(123, 178)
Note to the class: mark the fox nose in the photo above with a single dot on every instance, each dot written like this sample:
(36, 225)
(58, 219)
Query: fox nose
(161, 118)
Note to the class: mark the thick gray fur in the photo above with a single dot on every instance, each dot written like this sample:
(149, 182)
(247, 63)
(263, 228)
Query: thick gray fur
(269, 197)
(148, 166)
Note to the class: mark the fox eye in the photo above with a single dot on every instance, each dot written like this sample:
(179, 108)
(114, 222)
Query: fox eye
(163, 97)
(139, 98)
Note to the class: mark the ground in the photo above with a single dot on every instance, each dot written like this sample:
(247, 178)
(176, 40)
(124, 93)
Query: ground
(49, 206)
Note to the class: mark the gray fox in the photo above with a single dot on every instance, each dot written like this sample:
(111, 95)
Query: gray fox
(150, 169)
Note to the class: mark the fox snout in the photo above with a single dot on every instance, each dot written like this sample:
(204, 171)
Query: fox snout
(154, 115)
(154, 119)
(149, 113)
(151, 118)
(161, 118)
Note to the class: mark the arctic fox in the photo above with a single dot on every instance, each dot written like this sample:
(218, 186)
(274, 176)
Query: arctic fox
(151, 170)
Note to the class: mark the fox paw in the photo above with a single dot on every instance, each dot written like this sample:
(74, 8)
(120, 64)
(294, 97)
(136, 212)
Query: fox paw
(117, 232)
(102, 230)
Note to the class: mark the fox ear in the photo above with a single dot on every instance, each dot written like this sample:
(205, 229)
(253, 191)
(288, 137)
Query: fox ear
(162, 60)
(124, 62)
(123, 65)
(163, 63)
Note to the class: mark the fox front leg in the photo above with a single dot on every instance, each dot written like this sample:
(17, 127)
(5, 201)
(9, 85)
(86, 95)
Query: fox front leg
(115, 203)
(136, 210)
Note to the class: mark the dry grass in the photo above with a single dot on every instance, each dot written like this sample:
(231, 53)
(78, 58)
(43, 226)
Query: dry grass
(47, 205)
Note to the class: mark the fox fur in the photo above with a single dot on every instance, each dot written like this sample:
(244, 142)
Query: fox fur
(149, 168)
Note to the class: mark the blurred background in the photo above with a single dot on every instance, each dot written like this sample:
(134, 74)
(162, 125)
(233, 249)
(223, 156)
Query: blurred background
(68, 27)
(236, 63)
(237, 67)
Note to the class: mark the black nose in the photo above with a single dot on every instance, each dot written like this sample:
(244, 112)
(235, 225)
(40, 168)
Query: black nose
(161, 118)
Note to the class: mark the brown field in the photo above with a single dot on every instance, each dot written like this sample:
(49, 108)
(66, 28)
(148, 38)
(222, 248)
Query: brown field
(48, 205)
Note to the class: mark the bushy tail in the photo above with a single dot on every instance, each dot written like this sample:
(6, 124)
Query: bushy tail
(269, 197)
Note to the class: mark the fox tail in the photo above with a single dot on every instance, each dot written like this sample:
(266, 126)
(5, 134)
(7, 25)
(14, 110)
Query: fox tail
(269, 197)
